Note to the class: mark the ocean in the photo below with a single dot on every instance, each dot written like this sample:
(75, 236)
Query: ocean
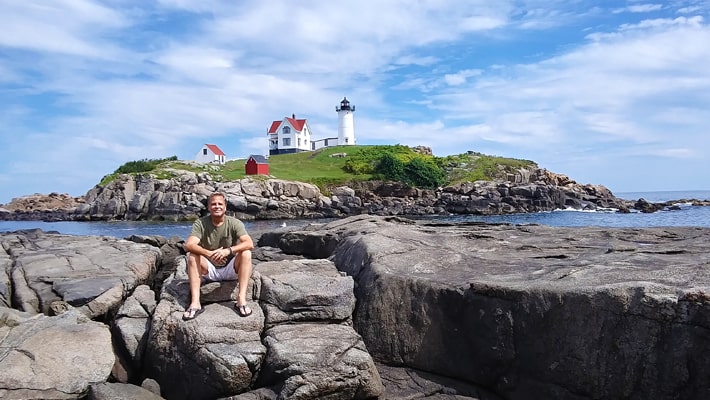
(687, 215)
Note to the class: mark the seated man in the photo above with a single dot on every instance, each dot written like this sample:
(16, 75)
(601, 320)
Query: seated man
(218, 249)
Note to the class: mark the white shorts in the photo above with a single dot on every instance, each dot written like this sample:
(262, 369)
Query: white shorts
(214, 274)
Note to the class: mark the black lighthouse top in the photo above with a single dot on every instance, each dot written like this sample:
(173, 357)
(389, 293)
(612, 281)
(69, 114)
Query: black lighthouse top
(344, 106)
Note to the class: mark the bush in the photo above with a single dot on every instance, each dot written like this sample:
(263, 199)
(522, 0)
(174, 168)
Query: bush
(390, 168)
(366, 159)
(421, 173)
(144, 165)
(357, 167)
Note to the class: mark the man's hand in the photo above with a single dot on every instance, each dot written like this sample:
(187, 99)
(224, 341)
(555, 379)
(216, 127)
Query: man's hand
(218, 256)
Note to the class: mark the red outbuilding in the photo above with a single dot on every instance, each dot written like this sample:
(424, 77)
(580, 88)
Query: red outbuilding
(257, 165)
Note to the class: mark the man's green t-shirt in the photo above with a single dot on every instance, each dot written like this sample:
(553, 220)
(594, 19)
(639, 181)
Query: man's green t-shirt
(215, 237)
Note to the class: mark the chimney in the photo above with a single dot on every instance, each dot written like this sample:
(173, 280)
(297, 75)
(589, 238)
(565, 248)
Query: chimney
(293, 116)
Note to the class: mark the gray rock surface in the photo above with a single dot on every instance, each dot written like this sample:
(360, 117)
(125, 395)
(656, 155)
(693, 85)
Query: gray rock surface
(303, 291)
(120, 391)
(92, 272)
(5, 268)
(222, 354)
(404, 383)
(58, 357)
(216, 354)
(316, 361)
(450, 311)
(131, 327)
(534, 311)
(183, 197)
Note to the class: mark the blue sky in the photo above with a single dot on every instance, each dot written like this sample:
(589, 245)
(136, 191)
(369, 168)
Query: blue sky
(615, 93)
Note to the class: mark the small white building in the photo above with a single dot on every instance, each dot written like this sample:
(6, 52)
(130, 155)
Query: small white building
(210, 153)
(289, 135)
(321, 143)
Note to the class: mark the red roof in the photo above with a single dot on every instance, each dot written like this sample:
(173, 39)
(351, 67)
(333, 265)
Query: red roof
(297, 124)
(216, 150)
(274, 126)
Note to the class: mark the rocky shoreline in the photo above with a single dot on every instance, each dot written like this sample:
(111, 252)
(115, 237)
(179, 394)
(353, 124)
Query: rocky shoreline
(182, 198)
(365, 307)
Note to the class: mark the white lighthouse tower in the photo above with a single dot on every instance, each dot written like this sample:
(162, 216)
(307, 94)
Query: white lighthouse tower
(346, 131)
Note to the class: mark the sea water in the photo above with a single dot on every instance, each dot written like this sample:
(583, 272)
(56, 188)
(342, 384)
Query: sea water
(686, 215)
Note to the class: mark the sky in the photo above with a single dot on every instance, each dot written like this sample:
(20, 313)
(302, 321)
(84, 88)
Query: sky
(613, 93)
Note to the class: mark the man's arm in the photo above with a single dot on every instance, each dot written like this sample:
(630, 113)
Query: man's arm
(192, 245)
(245, 243)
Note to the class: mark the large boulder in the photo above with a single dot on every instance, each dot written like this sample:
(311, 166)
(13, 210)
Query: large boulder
(216, 354)
(57, 357)
(539, 311)
(532, 311)
(316, 361)
(305, 291)
(220, 353)
(92, 272)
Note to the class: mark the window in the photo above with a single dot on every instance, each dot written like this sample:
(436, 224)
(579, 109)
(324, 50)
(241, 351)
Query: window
(299, 142)
(204, 152)
(286, 130)
(287, 142)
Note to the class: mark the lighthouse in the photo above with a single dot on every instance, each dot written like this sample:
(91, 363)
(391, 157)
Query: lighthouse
(346, 131)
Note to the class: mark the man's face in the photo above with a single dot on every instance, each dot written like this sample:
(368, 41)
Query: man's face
(217, 206)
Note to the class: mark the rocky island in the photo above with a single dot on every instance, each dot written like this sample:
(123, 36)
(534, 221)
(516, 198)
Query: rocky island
(182, 198)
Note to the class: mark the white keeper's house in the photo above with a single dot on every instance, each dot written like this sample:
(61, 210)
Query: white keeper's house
(289, 135)
(292, 135)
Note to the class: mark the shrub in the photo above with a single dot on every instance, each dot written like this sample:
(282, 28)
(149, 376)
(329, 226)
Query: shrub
(421, 173)
(358, 167)
(390, 168)
(144, 165)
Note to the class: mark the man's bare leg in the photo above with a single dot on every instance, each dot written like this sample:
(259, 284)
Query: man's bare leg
(243, 267)
(195, 269)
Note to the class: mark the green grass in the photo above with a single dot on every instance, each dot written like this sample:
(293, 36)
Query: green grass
(317, 167)
(471, 167)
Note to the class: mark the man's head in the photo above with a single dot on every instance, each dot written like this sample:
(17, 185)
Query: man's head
(217, 203)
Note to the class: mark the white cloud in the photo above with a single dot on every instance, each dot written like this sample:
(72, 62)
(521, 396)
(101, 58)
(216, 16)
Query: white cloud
(644, 8)
(68, 27)
(128, 80)
(460, 77)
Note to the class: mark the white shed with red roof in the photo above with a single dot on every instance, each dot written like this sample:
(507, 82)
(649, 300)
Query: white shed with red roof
(210, 153)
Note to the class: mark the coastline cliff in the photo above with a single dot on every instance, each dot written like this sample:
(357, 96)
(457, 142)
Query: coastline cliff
(182, 198)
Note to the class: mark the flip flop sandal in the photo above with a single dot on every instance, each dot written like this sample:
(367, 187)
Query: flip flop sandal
(243, 309)
(192, 313)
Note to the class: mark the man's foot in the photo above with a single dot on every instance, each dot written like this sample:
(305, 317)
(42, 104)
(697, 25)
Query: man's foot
(243, 309)
(192, 313)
